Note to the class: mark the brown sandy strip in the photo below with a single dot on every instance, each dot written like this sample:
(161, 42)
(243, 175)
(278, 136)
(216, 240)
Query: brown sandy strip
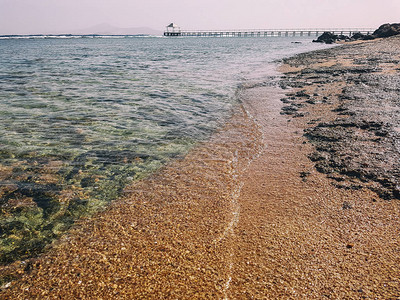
(302, 238)
(235, 219)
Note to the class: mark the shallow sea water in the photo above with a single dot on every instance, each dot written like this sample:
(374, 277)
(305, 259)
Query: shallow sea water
(80, 119)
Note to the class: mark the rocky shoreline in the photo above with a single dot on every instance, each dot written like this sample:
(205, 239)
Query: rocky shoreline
(384, 31)
(358, 143)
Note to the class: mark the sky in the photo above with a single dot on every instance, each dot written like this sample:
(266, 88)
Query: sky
(55, 16)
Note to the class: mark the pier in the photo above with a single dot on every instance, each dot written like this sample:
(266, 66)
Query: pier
(176, 31)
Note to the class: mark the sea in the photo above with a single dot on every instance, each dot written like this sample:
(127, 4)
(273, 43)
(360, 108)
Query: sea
(81, 118)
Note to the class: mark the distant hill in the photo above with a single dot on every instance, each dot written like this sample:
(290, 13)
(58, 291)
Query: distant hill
(107, 29)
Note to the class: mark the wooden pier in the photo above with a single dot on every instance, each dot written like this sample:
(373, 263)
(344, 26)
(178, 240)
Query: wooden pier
(266, 32)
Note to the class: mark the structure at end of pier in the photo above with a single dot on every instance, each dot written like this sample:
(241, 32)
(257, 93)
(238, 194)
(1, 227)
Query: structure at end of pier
(173, 30)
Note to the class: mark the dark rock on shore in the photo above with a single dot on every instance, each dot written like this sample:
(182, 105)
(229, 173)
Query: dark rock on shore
(387, 30)
(330, 38)
(327, 38)
(342, 37)
(360, 36)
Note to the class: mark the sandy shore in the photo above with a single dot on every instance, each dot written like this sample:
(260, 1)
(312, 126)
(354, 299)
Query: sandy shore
(266, 209)
(306, 235)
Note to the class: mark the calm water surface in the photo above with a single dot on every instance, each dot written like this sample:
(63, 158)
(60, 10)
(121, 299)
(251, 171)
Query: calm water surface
(81, 118)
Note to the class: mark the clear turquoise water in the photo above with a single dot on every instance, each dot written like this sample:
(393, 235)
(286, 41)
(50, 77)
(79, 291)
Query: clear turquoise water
(81, 118)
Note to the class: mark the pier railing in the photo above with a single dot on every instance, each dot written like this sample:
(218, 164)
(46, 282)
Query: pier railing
(268, 32)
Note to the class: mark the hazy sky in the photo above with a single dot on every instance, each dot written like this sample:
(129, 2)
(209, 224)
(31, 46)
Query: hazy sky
(44, 16)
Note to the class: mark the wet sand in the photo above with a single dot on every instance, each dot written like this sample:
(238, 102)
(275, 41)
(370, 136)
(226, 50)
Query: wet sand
(246, 215)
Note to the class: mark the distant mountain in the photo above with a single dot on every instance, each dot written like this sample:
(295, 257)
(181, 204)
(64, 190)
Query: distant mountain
(107, 29)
